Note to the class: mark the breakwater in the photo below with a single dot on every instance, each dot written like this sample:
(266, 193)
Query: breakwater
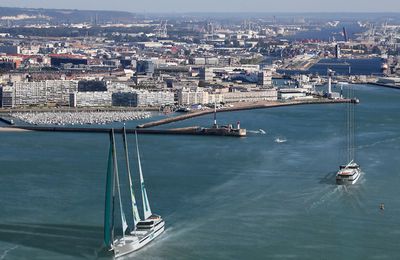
(241, 106)
(193, 130)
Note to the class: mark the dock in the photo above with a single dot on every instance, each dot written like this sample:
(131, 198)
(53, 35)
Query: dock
(239, 107)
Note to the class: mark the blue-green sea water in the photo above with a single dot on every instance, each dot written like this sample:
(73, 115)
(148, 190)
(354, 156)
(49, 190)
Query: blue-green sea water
(221, 197)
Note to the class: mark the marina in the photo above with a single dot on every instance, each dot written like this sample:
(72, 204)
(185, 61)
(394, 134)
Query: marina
(78, 118)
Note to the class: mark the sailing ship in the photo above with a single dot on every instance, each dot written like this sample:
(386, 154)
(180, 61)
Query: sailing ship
(349, 173)
(141, 231)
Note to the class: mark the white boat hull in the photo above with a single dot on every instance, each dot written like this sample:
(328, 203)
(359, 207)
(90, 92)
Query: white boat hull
(348, 180)
(134, 242)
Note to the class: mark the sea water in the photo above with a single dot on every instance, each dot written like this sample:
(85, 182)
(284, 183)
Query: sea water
(221, 197)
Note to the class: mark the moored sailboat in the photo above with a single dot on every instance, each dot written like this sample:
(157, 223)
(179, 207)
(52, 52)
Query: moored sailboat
(142, 231)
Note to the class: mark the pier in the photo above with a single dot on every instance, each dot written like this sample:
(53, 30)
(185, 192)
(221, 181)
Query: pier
(193, 130)
(239, 107)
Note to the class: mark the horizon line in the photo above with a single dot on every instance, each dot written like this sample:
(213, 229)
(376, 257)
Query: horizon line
(207, 12)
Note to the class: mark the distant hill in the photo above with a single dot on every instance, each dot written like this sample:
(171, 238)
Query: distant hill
(57, 16)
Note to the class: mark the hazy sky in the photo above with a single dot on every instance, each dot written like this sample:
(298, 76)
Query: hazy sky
(215, 5)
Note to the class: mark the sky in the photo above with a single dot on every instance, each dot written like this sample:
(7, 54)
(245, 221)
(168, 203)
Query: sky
(177, 6)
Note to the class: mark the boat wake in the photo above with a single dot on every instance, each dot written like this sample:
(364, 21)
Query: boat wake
(259, 131)
(280, 140)
(389, 140)
(339, 191)
(325, 198)
(5, 253)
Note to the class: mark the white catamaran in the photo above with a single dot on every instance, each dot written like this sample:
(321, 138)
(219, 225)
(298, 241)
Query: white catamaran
(349, 173)
(142, 231)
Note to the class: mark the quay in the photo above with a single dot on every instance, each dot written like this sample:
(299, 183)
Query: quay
(241, 106)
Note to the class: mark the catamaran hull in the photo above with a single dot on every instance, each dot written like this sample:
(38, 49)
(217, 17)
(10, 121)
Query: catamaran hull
(128, 248)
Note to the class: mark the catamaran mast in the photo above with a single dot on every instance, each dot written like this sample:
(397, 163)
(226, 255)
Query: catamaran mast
(135, 213)
(350, 127)
(146, 205)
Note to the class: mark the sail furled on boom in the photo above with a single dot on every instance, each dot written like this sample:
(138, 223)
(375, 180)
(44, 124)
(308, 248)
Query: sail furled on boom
(135, 212)
(109, 198)
(146, 205)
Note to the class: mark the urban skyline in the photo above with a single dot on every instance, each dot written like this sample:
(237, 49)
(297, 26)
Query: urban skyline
(177, 6)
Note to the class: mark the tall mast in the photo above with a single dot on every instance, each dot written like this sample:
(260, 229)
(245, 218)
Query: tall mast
(350, 123)
(146, 205)
(135, 213)
(109, 198)
(123, 219)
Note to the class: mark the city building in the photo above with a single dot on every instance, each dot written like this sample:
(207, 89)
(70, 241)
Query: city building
(193, 96)
(49, 92)
(206, 74)
(145, 67)
(265, 78)
(6, 96)
(250, 96)
(60, 60)
(90, 99)
(10, 49)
